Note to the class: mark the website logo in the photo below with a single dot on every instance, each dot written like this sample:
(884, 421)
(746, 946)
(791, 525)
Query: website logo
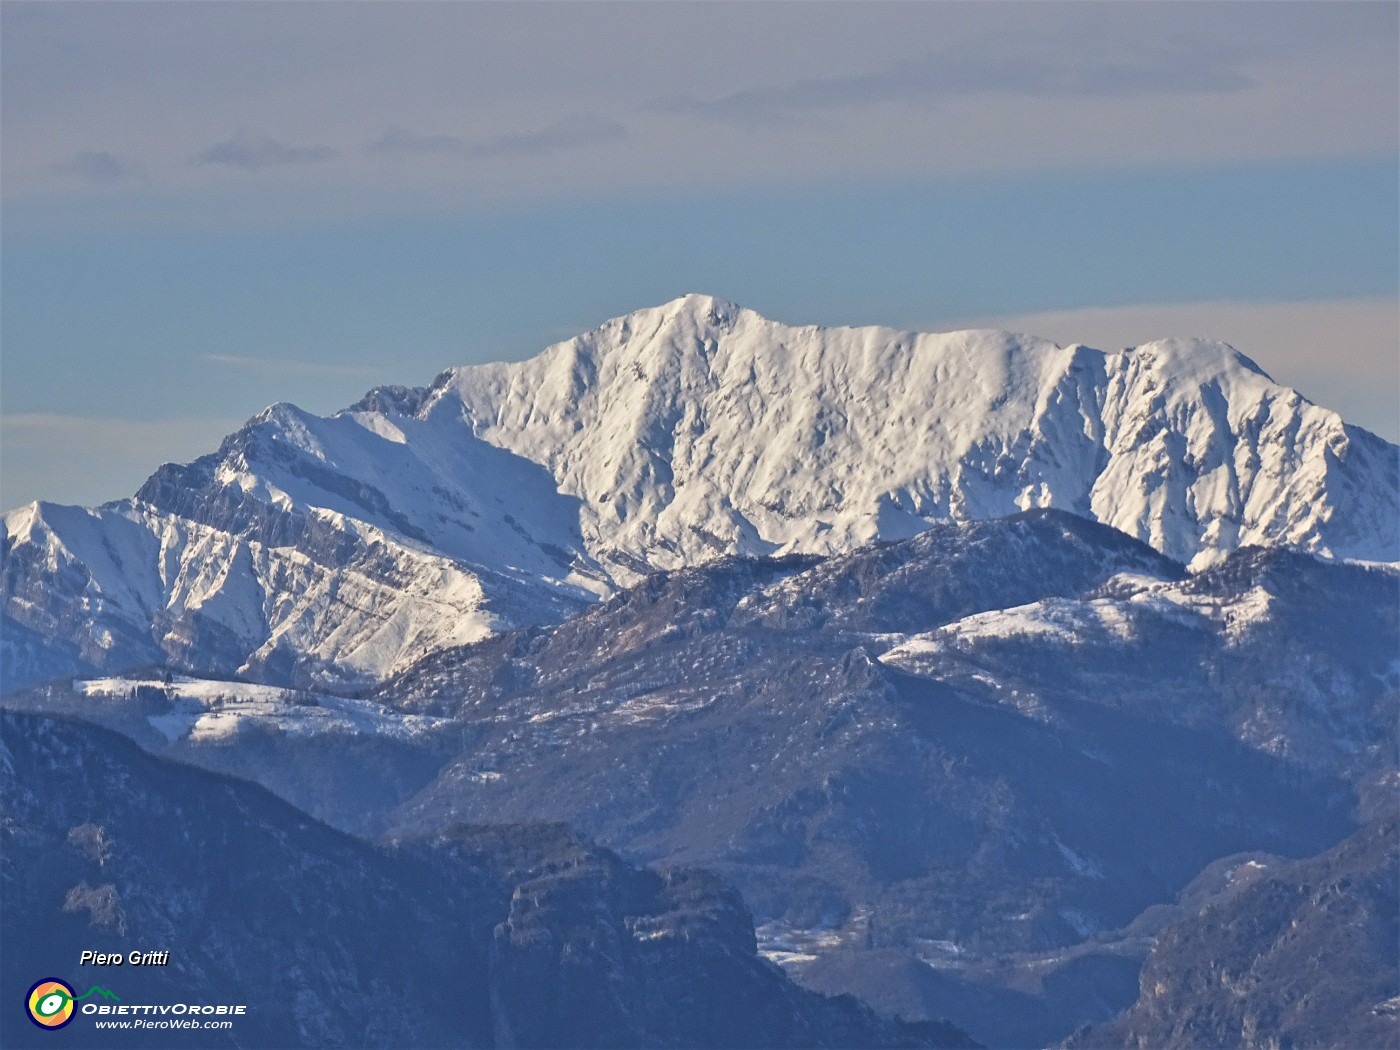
(50, 1001)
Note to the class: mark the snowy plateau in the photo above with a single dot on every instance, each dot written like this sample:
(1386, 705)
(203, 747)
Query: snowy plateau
(329, 553)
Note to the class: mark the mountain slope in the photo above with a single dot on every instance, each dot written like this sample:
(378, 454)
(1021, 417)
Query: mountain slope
(512, 936)
(1304, 954)
(903, 763)
(953, 771)
(310, 550)
(699, 417)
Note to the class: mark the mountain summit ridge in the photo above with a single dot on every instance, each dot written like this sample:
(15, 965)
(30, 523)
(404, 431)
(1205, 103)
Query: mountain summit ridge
(967, 424)
(342, 548)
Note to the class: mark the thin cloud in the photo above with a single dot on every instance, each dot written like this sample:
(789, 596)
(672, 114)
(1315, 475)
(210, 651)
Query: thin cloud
(98, 166)
(576, 131)
(252, 152)
(268, 366)
(573, 132)
(1005, 65)
(397, 141)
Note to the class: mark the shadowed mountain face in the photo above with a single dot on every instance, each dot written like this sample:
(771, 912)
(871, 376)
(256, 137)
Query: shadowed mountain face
(983, 752)
(332, 552)
(508, 936)
(969, 774)
(1297, 954)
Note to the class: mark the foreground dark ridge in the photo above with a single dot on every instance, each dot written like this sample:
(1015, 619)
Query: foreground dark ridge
(513, 936)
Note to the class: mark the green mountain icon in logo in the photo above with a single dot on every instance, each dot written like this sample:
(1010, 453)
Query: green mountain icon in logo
(97, 989)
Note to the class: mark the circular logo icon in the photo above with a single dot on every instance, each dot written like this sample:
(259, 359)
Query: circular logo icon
(50, 1003)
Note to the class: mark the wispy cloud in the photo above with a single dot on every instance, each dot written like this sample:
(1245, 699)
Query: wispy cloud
(397, 141)
(286, 367)
(252, 151)
(1004, 64)
(573, 132)
(576, 131)
(98, 166)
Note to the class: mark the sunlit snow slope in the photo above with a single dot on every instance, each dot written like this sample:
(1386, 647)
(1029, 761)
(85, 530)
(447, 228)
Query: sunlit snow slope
(341, 549)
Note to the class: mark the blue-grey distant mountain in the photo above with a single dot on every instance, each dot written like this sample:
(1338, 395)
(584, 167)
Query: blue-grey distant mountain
(338, 550)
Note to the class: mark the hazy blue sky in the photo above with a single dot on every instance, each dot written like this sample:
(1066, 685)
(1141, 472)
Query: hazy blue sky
(207, 208)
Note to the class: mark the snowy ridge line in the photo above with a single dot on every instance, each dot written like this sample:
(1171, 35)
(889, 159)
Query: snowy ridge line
(337, 550)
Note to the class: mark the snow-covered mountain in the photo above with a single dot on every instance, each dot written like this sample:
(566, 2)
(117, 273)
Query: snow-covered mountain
(342, 549)
(969, 774)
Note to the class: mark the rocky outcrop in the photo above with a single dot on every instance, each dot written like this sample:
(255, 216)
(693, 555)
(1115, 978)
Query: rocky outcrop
(1301, 954)
(514, 937)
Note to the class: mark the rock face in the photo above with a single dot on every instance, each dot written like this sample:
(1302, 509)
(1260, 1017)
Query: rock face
(1301, 954)
(337, 551)
(961, 774)
(518, 936)
(596, 952)
(982, 753)
(699, 421)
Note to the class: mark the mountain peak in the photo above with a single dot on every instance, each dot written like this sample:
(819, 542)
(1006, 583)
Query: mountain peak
(696, 304)
(514, 493)
(1195, 360)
